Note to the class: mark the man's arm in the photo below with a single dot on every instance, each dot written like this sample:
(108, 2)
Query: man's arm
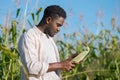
(65, 65)
(29, 56)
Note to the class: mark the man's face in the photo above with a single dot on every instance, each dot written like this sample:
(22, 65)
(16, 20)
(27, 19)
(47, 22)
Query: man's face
(54, 26)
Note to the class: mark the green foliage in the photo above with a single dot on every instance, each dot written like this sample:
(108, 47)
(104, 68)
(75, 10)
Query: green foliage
(102, 63)
(35, 16)
(9, 56)
(9, 66)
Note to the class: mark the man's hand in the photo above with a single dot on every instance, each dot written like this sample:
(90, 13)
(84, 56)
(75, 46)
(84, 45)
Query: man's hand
(67, 65)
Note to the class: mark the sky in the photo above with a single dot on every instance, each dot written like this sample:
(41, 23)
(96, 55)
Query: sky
(81, 14)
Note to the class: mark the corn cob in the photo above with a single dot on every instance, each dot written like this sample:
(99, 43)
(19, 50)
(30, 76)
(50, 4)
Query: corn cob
(82, 55)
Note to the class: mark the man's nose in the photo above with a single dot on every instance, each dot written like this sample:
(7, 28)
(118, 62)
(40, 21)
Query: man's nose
(58, 29)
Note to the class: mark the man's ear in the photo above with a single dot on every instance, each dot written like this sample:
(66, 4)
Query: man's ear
(48, 20)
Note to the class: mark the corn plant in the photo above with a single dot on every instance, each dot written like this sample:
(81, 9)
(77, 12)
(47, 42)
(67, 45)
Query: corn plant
(103, 61)
(10, 63)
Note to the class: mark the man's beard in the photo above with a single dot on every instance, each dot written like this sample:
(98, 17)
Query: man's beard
(50, 33)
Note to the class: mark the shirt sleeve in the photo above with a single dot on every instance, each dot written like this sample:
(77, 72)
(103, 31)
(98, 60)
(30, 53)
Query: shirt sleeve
(29, 56)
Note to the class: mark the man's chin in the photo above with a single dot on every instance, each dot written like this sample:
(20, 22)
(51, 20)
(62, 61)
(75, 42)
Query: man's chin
(51, 35)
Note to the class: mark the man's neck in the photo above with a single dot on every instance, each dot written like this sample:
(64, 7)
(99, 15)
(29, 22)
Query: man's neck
(41, 28)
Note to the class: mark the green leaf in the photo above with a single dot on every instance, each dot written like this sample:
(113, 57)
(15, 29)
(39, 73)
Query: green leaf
(33, 18)
(11, 54)
(39, 10)
(18, 11)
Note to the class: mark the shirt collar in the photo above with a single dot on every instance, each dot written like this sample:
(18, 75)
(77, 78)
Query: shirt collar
(39, 31)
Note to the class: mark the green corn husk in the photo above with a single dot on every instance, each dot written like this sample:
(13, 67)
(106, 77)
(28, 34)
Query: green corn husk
(81, 56)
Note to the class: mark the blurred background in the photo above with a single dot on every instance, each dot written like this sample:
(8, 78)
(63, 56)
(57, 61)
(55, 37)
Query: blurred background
(94, 22)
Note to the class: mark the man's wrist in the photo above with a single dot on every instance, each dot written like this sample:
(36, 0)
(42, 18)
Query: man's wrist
(55, 66)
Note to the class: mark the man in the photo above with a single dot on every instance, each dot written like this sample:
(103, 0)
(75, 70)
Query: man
(38, 51)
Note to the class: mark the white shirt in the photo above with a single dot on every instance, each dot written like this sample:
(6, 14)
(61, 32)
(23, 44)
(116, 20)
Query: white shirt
(37, 51)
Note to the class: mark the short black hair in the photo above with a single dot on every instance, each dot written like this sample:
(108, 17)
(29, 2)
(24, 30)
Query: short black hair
(53, 11)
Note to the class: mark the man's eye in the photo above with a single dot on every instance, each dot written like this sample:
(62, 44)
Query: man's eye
(59, 25)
